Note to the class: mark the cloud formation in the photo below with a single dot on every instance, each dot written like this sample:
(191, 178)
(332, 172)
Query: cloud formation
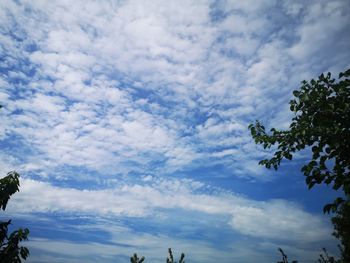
(126, 108)
(274, 219)
(110, 82)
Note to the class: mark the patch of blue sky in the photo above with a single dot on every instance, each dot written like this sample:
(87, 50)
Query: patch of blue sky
(174, 223)
(190, 225)
(17, 70)
(77, 177)
(148, 94)
(66, 228)
(217, 14)
(15, 145)
(16, 33)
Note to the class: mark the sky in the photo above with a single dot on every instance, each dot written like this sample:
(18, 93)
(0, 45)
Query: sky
(128, 122)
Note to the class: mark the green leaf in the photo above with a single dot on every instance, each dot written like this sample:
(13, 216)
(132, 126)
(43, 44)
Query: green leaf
(296, 93)
(311, 184)
(312, 163)
(288, 156)
(327, 208)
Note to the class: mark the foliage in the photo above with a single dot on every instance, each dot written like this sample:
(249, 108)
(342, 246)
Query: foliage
(341, 224)
(322, 122)
(135, 259)
(284, 257)
(8, 186)
(10, 251)
(170, 259)
(325, 258)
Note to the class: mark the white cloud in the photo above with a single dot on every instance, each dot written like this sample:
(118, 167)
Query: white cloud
(274, 219)
(92, 60)
(83, 116)
(239, 24)
(228, 152)
(324, 28)
(293, 8)
(249, 6)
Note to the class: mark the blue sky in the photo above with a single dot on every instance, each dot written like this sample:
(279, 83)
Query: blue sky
(127, 121)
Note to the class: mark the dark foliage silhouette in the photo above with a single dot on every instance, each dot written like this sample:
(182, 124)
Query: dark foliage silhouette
(321, 123)
(341, 224)
(135, 259)
(284, 257)
(10, 249)
(170, 259)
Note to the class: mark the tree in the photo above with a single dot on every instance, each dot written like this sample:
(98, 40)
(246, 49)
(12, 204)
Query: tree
(10, 251)
(321, 123)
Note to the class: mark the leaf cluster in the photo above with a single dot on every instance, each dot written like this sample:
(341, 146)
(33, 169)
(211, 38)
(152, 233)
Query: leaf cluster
(321, 122)
(8, 186)
(10, 250)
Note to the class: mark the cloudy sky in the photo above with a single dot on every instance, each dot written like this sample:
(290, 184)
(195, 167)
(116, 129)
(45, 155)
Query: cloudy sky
(127, 121)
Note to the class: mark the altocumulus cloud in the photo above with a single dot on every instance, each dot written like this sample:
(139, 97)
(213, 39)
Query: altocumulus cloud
(124, 109)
